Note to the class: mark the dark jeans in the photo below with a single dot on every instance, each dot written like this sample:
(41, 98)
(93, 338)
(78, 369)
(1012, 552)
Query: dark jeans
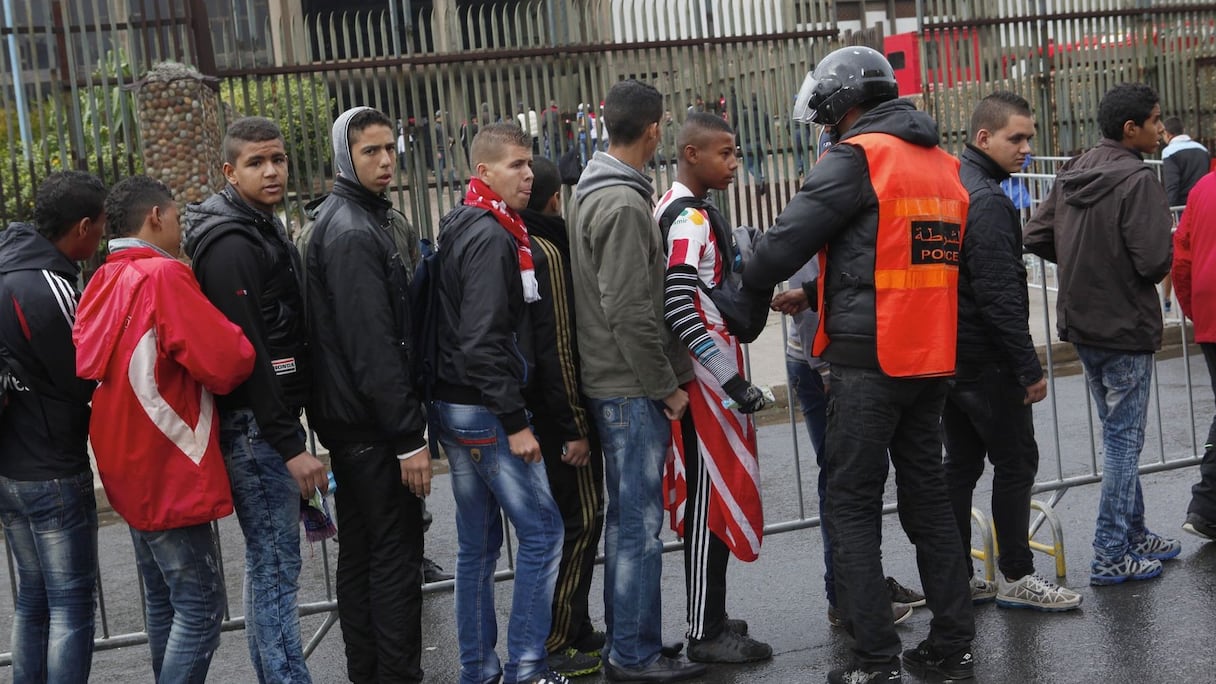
(1203, 494)
(184, 592)
(379, 576)
(813, 401)
(579, 495)
(985, 416)
(50, 527)
(870, 414)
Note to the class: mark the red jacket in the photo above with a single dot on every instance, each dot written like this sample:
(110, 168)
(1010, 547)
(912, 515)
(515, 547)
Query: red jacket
(160, 349)
(1194, 267)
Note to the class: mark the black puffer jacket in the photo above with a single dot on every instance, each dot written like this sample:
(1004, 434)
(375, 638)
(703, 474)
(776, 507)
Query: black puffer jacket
(251, 272)
(487, 355)
(358, 305)
(993, 304)
(838, 208)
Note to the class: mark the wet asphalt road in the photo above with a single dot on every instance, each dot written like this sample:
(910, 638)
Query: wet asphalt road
(1155, 631)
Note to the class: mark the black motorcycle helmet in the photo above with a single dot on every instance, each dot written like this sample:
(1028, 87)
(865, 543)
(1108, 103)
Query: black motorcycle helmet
(846, 78)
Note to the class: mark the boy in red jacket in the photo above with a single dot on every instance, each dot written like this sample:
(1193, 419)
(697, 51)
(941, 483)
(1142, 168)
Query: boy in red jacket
(161, 349)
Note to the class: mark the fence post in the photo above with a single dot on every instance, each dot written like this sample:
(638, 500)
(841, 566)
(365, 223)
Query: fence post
(179, 122)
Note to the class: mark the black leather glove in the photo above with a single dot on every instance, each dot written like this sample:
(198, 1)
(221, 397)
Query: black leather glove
(749, 397)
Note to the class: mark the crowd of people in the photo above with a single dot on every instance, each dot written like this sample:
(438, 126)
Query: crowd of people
(584, 376)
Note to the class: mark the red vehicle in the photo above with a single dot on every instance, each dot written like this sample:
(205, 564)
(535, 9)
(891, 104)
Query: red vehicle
(951, 57)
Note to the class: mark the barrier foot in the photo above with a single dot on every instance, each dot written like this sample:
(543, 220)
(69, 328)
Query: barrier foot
(988, 552)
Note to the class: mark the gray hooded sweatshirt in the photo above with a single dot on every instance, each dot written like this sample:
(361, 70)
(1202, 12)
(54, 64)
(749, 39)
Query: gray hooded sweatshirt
(618, 261)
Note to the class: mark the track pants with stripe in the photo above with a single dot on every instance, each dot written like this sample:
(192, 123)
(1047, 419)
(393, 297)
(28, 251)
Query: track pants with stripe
(705, 554)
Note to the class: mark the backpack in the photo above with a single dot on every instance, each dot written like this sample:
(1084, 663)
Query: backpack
(744, 312)
(424, 318)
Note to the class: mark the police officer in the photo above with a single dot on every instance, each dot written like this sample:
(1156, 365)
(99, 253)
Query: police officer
(889, 243)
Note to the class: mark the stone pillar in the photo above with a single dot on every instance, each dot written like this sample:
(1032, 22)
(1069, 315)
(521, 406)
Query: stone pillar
(179, 125)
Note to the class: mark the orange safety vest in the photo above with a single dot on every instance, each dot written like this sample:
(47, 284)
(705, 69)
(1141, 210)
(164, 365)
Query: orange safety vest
(921, 216)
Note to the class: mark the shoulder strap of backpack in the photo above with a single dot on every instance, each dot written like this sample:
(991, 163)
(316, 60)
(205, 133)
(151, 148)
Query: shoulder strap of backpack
(717, 223)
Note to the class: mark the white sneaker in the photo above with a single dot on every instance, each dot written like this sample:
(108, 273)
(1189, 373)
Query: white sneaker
(982, 591)
(1036, 593)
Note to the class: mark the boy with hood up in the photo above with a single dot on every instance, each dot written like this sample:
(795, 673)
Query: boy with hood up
(365, 409)
(160, 350)
(1107, 224)
(249, 269)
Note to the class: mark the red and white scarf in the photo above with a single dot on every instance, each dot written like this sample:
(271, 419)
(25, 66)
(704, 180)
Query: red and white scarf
(481, 196)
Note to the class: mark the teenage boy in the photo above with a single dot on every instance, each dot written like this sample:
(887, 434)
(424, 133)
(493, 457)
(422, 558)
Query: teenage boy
(1107, 223)
(160, 351)
(563, 428)
(632, 370)
(249, 269)
(717, 512)
(365, 408)
(988, 410)
(487, 284)
(46, 486)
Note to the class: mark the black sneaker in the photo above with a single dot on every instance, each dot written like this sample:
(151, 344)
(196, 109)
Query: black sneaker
(573, 663)
(868, 674)
(902, 594)
(662, 670)
(431, 572)
(728, 647)
(1200, 526)
(926, 658)
(591, 643)
(737, 626)
(547, 678)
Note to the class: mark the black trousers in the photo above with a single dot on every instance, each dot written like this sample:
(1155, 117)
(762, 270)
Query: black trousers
(579, 493)
(870, 414)
(1203, 493)
(379, 565)
(705, 555)
(985, 416)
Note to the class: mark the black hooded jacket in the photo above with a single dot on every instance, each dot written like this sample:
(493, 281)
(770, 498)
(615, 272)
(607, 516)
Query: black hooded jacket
(358, 306)
(993, 304)
(251, 272)
(837, 207)
(45, 427)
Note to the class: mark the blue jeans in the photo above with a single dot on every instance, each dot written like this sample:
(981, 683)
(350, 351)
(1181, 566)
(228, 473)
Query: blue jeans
(51, 529)
(488, 480)
(184, 600)
(635, 435)
(807, 385)
(1119, 383)
(267, 502)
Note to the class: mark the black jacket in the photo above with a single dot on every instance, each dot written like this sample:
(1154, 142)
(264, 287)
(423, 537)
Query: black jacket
(993, 304)
(554, 398)
(251, 272)
(358, 307)
(838, 208)
(488, 357)
(1183, 162)
(45, 427)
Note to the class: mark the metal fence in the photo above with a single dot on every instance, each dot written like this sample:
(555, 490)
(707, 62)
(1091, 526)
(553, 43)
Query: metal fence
(445, 70)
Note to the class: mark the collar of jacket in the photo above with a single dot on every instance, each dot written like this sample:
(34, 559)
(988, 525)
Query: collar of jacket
(355, 192)
(976, 156)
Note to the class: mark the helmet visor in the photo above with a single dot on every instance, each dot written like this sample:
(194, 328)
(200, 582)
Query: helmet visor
(803, 112)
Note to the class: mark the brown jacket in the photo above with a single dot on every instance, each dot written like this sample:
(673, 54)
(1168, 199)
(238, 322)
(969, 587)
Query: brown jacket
(1107, 224)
